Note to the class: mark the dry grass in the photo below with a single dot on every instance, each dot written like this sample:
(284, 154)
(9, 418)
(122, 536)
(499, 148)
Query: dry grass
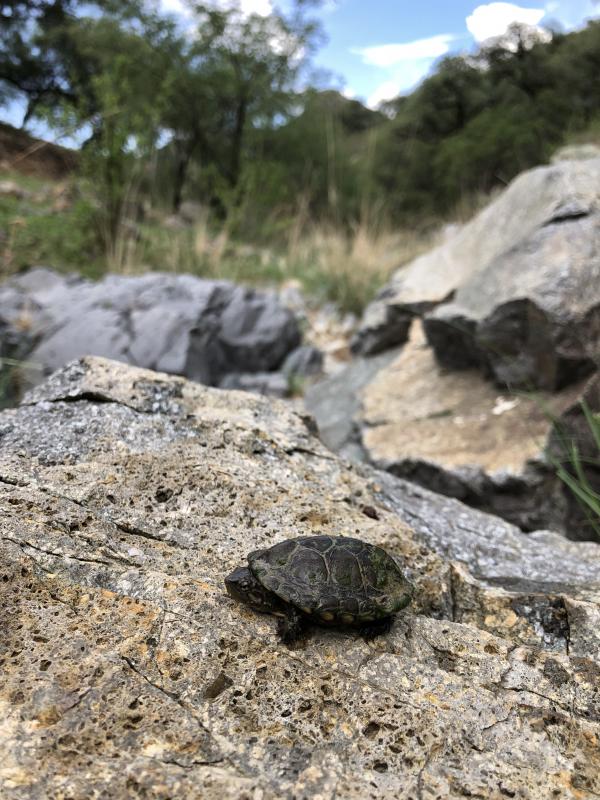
(346, 268)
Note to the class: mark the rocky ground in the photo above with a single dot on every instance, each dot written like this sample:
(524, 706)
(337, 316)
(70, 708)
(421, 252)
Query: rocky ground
(128, 495)
(473, 354)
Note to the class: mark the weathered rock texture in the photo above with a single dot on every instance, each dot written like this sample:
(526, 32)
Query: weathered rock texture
(455, 433)
(180, 324)
(524, 278)
(531, 317)
(127, 496)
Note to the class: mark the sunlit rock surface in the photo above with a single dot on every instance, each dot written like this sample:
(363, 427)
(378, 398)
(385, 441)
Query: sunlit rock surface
(456, 433)
(523, 275)
(127, 496)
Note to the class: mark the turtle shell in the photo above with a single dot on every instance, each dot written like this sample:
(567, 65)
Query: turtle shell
(338, 579)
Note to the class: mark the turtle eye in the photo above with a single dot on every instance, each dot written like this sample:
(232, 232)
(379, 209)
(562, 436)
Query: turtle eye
(244, 585)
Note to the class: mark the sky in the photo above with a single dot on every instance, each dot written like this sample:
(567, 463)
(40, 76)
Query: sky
(378, 49)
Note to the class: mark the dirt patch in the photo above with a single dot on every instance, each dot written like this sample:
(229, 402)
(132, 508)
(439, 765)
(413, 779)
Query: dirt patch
(24, 153)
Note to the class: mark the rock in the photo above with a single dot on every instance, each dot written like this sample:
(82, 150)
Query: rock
(576, 152)
(242, 331)
(384, 325)
(531, 318)
(335, 404)
(303, 362)
(454, 433)
(271, 384)
(176, 323)
(511, 227)
(128, 495)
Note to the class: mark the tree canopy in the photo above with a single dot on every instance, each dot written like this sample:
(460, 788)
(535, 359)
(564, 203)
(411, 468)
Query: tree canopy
(225, 112)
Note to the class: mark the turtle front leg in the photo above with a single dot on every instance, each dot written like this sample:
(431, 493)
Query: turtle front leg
(290, 626)
(374, 629)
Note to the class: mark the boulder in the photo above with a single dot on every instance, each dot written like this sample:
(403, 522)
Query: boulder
(128, 495)
(455, 433)
(531, 317)
(532, 230)
(335, 403)
(176, 323)
(240, 330)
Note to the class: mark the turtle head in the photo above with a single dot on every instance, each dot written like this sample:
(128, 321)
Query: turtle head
(242, 586)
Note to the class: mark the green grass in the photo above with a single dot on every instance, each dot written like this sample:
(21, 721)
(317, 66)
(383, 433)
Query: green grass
(572, 469)
(56, 225)
(43, 227)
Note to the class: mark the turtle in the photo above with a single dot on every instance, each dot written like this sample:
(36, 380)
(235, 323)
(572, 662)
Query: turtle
(330, 580)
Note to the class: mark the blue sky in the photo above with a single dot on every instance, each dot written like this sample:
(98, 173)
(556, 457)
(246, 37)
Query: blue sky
(378, 49)
(381, 48)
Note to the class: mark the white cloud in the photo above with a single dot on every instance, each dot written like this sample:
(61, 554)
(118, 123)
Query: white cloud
(388, 55)
(261, 7)
(572, 13)
(406, 64)
(386, 91)
(177, 7)
(493, 19)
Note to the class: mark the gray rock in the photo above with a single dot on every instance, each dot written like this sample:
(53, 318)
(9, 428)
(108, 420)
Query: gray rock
(245, 331)
(512, 226)
(453, 432)
(384, 325)
(271, 384)
(532, 316)
(303, 362)
(335, 404)
(176, 323)
(128, 495)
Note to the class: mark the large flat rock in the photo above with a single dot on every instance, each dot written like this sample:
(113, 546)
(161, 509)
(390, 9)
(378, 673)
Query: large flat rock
(456, 433)
(128, 495)
(501, 239)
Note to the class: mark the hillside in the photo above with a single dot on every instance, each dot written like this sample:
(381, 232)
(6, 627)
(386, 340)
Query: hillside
(30, 156)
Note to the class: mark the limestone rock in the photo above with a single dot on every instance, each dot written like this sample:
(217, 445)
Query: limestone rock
(335, 403)
(176, 323)
(531, 317)
(455, 433)
(512, 225)
(128, 495)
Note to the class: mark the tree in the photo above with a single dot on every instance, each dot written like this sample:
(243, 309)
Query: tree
(235, 77)
(38, 57)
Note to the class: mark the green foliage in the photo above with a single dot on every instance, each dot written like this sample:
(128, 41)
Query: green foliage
(216, 118)
(65, 239)
(478, 122)
(572, 470)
